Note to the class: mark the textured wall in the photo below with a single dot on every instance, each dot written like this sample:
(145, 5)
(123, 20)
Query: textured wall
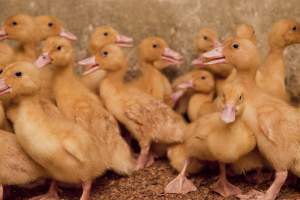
(175, 20)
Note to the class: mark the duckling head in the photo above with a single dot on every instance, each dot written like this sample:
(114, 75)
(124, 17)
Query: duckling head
(19, 27)
(204, 82)
(155, 50)
(231, 103)
(51, 26)
(104, 35)
(241, 53)
(109, 58)
(206, 40)
(57, 51)
(284, 32)
(19, 79)
(246, 31)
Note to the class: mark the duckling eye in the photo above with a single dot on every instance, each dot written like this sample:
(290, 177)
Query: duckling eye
(105, 53)
(105, 33)
(203, 77)
(14, 23)
(155, 45)
(1, 70)
(241, 97)
(236, 46)
(18, 74)
(59, 48)
(205, 37)
(294, 28)
(50, 24)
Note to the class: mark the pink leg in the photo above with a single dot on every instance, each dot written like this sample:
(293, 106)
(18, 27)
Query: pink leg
(51, 194)
(181, 185)
(222, 186)
(86, 190)
(271, 193)
(1, 192)
(145, 158)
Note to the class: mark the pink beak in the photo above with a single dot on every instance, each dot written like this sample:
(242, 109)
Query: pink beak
(4, 88)
(172, 56)
(228, 114)
(68, 35)
(177, 95)
(216, 56)
(43, 60)
(186, 85)
(124, 41)
(3, 34)
(90, 65)
(198, 61)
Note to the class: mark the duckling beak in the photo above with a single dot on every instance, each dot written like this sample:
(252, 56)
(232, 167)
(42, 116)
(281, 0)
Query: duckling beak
(68, 35)
(4, 88)
(181, 90)
(228, 114)
(89, 64)
(215, 56)
(3, 34)
(43, 60)
(172, 56)
(198, 61)
(124, 41)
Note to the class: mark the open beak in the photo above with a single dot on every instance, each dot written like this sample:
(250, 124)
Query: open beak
(68, 35)
(3, 34)
(182, 87)
(215, 56)
(172, 56)
(228, 114)
(90, 65)
(4, 88)
(124, 41)
(43, 60)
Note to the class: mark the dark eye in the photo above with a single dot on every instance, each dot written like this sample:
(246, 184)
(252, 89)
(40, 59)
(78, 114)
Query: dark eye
(105, 53)
(1, 70)
(50, 24)
(241, 97)
(205, 37)
(203, 77)
(155, 45)
(105, 33)
(294, 28)
(59, 48)
(14, 23)
(236, 46)
(18, 74)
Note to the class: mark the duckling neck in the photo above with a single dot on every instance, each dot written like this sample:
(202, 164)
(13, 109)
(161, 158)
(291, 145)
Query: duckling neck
(30, 50)
(274, 61)
(247, 78)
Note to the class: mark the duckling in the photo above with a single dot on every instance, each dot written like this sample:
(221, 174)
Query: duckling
(66, 151)
(271, 74)
(20, 28)
(155, 55)
(103, 35)
(83, 107)
(147, 118)
(223, 137)
(51, 26)
(273, 121)
(201, 102)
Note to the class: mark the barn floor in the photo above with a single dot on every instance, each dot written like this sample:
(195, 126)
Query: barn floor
(147, 184)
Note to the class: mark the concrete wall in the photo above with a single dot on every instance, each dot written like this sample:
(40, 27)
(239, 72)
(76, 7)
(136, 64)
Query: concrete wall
(175, 20)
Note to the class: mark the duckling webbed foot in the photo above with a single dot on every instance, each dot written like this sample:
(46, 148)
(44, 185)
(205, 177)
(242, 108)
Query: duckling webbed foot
(223, 186)
(50, 195)
(181, 185)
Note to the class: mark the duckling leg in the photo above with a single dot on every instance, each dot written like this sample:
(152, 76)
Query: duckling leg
(271, 193)
(50, 195)
(1, 192)
(181, 185)
(145, 158)
(222, 186)
(86, 190)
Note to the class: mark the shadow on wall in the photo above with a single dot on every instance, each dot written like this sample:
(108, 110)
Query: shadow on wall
(175, 20)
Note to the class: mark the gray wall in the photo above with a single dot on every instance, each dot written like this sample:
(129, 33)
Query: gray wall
(175, 20)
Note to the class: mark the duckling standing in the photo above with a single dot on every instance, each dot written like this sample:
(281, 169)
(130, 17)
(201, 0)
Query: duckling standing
(147, 118)
(83, 107)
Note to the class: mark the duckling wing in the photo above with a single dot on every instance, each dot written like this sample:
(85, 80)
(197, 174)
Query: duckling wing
(72, 146)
